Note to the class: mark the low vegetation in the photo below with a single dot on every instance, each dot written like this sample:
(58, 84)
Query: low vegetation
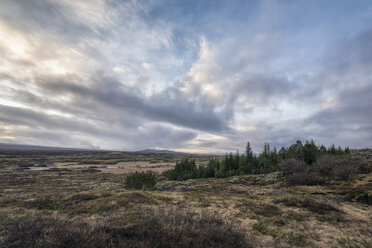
(195, 207)
(308, 203)
(146, 228)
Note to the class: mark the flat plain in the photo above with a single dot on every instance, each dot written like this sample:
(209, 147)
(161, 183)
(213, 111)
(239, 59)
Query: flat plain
(85, 192)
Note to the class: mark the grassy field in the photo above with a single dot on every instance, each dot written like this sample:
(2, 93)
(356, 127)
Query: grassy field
(88, 208)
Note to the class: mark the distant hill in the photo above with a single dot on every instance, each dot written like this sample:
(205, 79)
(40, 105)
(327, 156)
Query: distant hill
(22, 147)
(159, 151)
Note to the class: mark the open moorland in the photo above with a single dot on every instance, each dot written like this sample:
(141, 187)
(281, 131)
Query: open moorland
(82, 202)
(110, 162)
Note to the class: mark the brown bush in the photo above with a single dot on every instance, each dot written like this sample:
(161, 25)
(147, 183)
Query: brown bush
(324, 165)
(299, 173)
(292, 166)
(151, 228)
(341, 167)
(49, 232)
(305, 178)
(345, 171)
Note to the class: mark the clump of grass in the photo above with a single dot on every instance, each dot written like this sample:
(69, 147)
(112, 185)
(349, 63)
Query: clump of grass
(133, 198)
(297, 240)
(41, 204)
(263, 209)
(315, 206)
(264, 229)
(82, 197)
(141, 180)
(267, 210)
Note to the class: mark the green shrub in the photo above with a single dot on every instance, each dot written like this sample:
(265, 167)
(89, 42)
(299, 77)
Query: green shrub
(141, 180)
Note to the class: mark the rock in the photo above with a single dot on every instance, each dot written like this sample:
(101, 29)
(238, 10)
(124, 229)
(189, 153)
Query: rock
(165, 187)
(187, 188)
(234, 180)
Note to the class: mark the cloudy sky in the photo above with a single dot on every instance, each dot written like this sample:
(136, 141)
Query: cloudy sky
(187, 75)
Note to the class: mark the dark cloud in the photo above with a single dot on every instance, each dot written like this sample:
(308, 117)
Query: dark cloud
(53, 129)
(262, 88)
(170, 105)
(352, 112)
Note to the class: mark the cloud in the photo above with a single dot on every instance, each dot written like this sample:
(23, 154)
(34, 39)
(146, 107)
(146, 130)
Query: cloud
(346, 112)
(187, 76)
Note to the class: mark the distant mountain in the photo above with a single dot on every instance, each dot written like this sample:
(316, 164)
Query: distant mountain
(159, 151)
(22, 147)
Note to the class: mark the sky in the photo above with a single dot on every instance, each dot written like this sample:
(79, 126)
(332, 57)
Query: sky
(187, 75)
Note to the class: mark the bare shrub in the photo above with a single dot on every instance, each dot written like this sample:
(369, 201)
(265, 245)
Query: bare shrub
(324, 165)
(292, 166)
(51, 232)
(148, 228)
(299, 173)
(341, 167)
(171, 228)
(345, 171)
(305, 178)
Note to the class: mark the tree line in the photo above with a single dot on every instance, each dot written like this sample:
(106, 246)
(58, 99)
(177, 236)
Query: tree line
(249, 163)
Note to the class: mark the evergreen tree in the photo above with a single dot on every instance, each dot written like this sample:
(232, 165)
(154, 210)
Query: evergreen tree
(347, 150)
(310, 152)
(282, 153)
(249, 152)
(323, 149)
(296, 150)
(332, 150)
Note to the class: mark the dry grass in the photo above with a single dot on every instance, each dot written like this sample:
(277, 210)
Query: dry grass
(308, 203)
